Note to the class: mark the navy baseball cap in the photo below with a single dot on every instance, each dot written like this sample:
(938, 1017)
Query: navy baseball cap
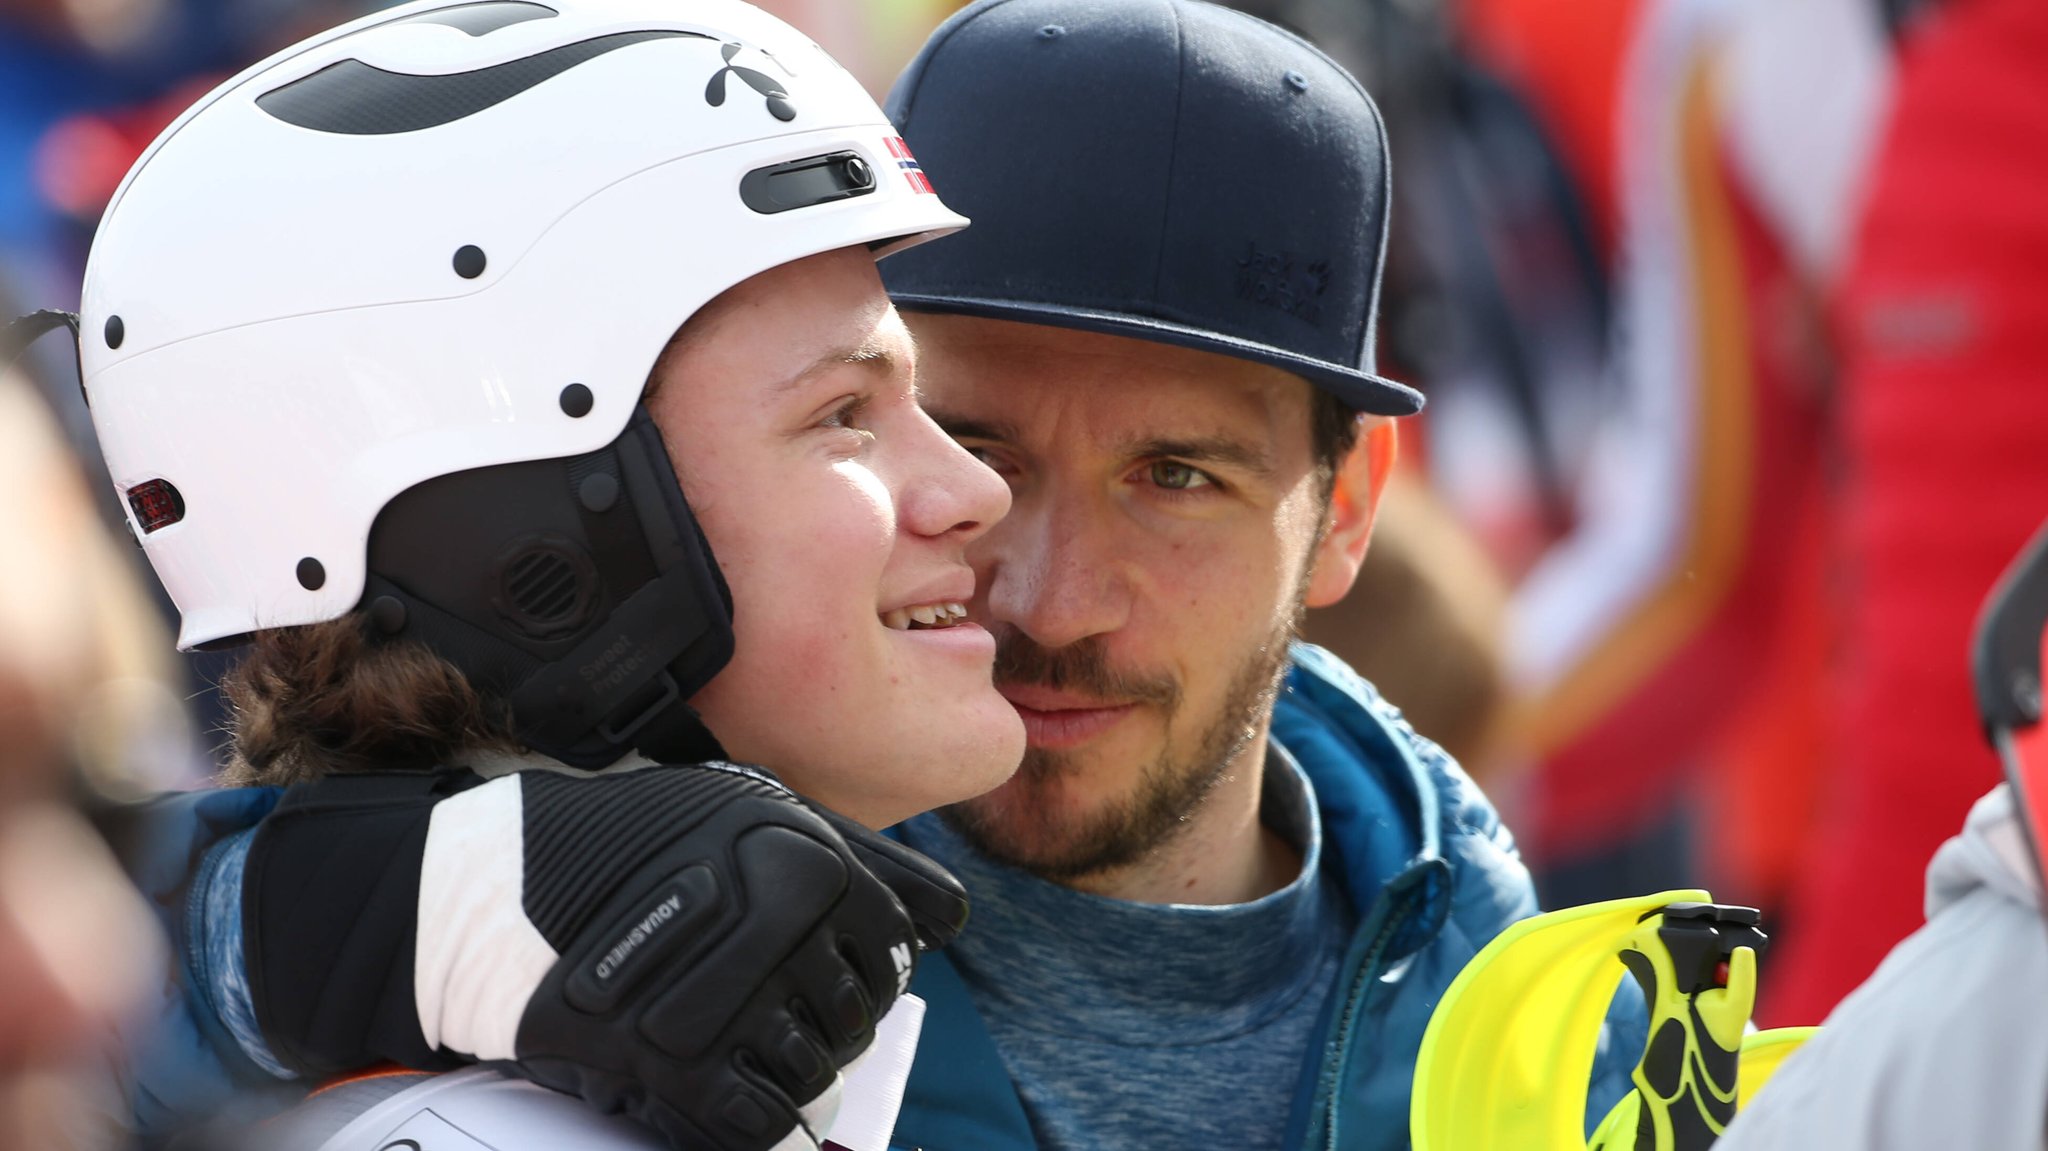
(1168, 170)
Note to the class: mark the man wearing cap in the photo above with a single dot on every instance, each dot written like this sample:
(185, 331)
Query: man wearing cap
(1223, 894)
(1219, 900)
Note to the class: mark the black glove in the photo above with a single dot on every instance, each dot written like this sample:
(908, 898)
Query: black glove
(692, 946)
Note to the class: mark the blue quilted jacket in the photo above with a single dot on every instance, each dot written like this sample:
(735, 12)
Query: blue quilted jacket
(1434, 876)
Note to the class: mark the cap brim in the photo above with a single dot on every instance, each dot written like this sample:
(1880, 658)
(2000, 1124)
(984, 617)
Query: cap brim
(1374, 395)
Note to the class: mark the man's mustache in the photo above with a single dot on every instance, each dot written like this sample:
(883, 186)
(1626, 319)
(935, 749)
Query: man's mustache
(1082, 666)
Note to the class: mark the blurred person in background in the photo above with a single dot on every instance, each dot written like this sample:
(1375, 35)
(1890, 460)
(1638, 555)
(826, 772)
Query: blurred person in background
(1668, 636)
(82, 687)
(1780, 527)
(1684, 599)
(1796, 95)
(1943, 1045)
(1941, 318)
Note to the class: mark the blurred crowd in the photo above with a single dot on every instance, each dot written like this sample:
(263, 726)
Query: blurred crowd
(1730, 315)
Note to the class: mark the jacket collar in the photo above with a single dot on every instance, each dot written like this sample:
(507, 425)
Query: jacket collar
(1381, 807)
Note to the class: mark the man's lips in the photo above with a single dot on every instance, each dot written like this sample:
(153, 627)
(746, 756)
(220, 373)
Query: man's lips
(1057, 720)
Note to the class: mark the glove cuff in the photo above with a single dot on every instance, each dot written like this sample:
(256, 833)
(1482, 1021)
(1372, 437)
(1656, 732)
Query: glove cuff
(478, 958)
(330, 900)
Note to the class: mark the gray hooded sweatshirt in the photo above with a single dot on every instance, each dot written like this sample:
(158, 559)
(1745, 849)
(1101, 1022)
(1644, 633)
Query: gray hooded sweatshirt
(1945, 1047)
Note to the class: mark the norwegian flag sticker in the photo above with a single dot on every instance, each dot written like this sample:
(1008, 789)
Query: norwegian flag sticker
(912, 170)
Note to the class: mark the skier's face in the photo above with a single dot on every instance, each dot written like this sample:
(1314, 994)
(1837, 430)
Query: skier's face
(840, 515)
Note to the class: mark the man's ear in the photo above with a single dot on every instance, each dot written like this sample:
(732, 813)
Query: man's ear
(1354, 501)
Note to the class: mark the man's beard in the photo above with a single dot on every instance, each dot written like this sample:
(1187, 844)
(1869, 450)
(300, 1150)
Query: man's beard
(1020, 824)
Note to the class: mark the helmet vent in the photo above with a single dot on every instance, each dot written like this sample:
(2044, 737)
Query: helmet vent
(543, 585)
(352, 98)
(547, 589)
(484, 18)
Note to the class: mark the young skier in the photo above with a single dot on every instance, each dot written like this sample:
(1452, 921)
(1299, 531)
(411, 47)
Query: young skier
(516, 381)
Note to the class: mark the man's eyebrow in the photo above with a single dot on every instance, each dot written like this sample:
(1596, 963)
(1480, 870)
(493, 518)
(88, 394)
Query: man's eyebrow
(1203, 450)
(966, 428)
(1194, 449)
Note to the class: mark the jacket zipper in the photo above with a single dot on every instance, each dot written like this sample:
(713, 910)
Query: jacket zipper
(1367, 972)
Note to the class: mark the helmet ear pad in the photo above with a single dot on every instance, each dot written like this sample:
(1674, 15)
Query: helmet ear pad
(579, 590)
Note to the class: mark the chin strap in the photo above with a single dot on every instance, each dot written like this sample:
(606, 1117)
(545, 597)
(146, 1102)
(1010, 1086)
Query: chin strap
(579, 590)
(553, 712)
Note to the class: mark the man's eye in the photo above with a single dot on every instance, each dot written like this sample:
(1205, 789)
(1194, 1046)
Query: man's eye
(989, 457)
(1177, 477)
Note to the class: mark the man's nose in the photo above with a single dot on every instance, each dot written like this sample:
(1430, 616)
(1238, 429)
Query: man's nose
(1052, 571)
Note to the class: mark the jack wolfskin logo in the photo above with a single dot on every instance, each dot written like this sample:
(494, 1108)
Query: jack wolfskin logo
(1280, 280)
(769, 87)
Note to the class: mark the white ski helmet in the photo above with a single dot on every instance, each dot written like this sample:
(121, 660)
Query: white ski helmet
(443, 243)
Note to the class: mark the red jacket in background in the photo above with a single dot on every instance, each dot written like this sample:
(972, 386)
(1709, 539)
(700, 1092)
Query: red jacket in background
(1944, 331)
